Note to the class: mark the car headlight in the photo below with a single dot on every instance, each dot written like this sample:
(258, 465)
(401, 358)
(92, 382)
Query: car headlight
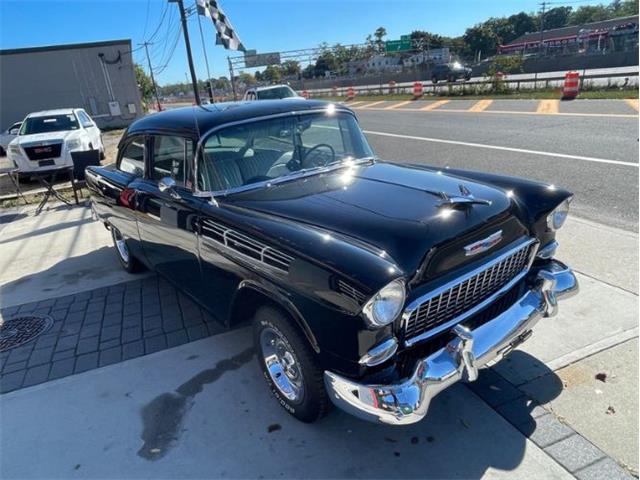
(556, 219)
(385, 305)
(74, 144)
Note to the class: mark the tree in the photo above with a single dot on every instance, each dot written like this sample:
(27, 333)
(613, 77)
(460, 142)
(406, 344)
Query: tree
(291, 67)
(522, 23)
(144, 85)
(588, 14)
(623, 8)
(246, 78)
(272, 74)
(557, 17)
(480, 38)
(379, 35)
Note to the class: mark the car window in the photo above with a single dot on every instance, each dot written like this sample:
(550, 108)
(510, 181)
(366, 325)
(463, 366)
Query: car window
(49, 123)
(267, 149)
(132, 159)
(14, 129)
(275, 93)
(170, 155)
(85, 121)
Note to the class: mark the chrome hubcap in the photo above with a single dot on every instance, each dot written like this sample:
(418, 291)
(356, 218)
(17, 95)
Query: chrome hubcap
(121, 245)
(282, 365)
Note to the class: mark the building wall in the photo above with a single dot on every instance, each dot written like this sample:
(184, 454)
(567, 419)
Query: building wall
(33, 79)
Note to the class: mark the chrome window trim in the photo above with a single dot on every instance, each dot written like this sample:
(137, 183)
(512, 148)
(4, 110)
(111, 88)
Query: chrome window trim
(408, 311)
(203, 138)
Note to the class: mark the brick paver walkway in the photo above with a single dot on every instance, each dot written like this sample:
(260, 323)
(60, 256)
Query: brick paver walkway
(101, 327)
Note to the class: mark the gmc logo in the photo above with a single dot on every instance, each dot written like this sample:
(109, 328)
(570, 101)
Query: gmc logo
(43, 150)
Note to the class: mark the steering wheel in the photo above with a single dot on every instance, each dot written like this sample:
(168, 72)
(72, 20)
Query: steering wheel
(313, 149)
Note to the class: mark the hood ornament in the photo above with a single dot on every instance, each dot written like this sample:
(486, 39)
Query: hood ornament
(465, 198)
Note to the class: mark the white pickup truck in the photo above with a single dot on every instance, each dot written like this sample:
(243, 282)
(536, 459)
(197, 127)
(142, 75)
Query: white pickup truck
(47, 138)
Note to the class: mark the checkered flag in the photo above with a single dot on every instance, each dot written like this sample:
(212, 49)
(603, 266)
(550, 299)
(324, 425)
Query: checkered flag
(226, 35)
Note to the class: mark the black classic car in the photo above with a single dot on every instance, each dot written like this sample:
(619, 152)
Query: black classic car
(369, 284)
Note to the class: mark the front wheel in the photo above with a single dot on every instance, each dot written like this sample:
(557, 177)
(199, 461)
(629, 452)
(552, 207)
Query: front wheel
(128, 261)
(289, 366)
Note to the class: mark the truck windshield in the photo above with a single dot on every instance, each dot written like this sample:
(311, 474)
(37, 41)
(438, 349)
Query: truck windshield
(275, 93)
(274, 149)
(49, 123)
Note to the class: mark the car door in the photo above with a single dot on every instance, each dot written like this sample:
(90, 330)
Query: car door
(168, 218)
(93, 132)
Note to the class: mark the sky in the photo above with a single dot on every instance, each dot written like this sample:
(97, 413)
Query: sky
(264, 25)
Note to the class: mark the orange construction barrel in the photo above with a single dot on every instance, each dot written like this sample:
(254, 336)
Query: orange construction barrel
(571, 85)
(417, 89)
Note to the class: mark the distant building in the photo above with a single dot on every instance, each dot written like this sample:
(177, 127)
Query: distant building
(618, 34)
(376, 63)
(435, 55)
(98, 77)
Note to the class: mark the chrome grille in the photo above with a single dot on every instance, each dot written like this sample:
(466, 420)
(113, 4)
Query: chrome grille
(246, 245)
(465, 296)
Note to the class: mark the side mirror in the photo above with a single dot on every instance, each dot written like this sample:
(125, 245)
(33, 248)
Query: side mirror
(168, 185)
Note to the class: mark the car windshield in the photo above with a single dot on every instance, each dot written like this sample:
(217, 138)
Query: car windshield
(49, 123)
(275, 93)
(280, 148)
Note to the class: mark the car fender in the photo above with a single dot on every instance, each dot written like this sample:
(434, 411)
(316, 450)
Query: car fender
(275, 295)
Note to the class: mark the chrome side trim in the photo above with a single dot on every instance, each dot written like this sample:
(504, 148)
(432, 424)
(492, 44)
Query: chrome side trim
(407, 401)
(415, 304)
(245, 245)
(352, 292)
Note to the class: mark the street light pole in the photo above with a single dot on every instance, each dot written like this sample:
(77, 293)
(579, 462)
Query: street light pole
(544, 5)
(153, 80)
(194, 79)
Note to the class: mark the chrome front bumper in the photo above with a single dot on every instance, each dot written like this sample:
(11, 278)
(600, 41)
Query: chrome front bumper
(408, 401)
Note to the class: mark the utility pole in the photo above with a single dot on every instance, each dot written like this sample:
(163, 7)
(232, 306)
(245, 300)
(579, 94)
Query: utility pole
(544, 6)
(153, 80)
(194, 79)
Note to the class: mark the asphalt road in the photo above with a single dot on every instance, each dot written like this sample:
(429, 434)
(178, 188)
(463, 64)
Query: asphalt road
(594, 156)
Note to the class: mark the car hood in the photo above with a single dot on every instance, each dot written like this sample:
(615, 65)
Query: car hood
(396, 210)
(45, 137)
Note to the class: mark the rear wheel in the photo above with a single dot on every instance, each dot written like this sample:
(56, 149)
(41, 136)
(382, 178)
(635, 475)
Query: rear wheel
(130, 263)
(289, 366)
(434, 79)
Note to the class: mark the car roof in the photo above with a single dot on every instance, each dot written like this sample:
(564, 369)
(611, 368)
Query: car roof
(197, 120)
(57, 111)
(270, 87)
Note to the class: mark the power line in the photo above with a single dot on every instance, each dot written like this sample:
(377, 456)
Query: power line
(163, 67)
(164, 14)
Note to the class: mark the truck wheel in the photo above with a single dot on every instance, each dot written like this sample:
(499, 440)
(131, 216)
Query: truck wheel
(434, 79)
(128, 261)
(288, 366)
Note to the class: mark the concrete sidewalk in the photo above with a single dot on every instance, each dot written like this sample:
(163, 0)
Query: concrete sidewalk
(72, 419)
(202, 410)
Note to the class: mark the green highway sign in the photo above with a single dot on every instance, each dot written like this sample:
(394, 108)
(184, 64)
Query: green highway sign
(402, 45)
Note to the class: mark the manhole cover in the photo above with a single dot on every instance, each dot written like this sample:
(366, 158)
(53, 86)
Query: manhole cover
(20, 330)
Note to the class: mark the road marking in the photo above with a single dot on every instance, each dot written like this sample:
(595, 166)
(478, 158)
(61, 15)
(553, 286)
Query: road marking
(351, 104)
(513, 112)
(633, 103)
(371, 104)
(507, 149)
(481, 106)
(391, 107)
(434, 105)
(548, 106)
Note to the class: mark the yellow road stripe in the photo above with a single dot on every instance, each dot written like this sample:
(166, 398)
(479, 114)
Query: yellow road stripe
(481, 106)
(371, 104)
(391, 107)
(433, 105)
(548, 106)
(515, 112)
(632, 102)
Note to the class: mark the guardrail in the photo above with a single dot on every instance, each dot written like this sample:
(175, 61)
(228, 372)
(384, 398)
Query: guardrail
(482, 86)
